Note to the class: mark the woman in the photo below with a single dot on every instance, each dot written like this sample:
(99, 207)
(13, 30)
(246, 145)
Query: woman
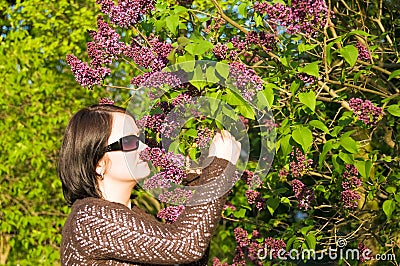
(99, 166)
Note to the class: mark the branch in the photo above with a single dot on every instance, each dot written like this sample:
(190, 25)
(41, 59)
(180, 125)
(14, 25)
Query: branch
(378, 21)
(331, 92)
(228, 19)
(119, 87)
(357, 87)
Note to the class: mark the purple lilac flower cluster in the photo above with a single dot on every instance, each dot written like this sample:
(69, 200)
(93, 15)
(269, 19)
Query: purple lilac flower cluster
(217, 262)
(366, 111)
(262, 38)
(156, 80)
(253, 38)
(128, 12)
(153, 122)
(245, 79)
(204, 136)
(275, 245)
(105, 101)
(349, 196)
(247, 248)
(220, 51)
(350, 199)
(299, 164)
(181, 99)
(365, 252)
(363, 53)
(85, 75)
(303, 194)
(252, 180)
(105, 46)
(177, 197)
(210, 26)
(153, 57)
(254, 197)
(268, 123)
(172, 166)
(229, 205)
(171, 122)
(171, 214)
(302, 16)
(350, 178)
(308, 79)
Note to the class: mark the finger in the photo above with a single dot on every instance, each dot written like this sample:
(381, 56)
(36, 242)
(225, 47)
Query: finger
(222, 134)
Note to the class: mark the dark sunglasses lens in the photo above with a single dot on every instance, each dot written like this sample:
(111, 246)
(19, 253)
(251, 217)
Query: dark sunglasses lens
(130, 143)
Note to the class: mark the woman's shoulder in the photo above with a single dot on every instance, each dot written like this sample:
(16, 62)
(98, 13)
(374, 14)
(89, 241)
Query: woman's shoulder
(96, 206)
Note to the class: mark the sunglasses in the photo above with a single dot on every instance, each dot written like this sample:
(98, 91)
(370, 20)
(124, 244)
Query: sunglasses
(127, 143)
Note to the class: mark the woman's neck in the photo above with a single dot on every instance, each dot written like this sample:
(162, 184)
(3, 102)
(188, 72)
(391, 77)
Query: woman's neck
(115, 191)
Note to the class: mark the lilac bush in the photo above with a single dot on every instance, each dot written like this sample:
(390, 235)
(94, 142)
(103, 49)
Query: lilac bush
(334, 112)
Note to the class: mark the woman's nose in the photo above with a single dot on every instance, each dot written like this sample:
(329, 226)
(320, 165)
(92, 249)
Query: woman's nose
(142, 145)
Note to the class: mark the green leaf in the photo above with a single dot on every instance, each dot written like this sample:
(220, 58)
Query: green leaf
(311, 241)
(350, 54)
(294, 86)
(304, 230)
(358, 32)
(306, 47)
(327, 148)
(191, 132)
(180, 9)
(199, 47)
(285, 61)
(284, 144)
(391, 189)
(240, 213)
(395, 74)
(210, 75)
(192, 153)
(394, 110)
(349, 144)
(311, 69)
(347, 158)
(242, 9)
(303, 136)
(258, 20)
(233, 99)
(272, 204)
(269, 93)
(246, 111)
(328, 52)
(286, 201)
(222, 69)
(172, 23)
(320, 125)
(364, 168)
(308, 99)
(388, 207)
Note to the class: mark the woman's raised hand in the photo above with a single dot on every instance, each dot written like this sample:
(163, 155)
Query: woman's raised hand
(225, 146)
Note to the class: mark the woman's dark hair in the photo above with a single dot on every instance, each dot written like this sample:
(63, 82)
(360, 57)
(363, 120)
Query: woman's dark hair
(85, 138)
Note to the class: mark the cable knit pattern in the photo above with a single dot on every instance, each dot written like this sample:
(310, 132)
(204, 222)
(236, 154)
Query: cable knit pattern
(99, 232)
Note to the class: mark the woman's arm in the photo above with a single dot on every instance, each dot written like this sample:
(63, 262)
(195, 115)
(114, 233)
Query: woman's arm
(107, 231)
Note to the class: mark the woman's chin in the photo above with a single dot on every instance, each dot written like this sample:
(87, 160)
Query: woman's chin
(144, 173)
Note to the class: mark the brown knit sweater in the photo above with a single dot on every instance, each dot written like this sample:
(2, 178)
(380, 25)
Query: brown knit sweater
(99, 232)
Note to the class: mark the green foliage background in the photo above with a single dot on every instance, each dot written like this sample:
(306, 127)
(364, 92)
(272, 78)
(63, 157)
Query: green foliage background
(39, 94)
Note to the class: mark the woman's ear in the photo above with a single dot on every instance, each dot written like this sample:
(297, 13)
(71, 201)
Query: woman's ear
(101, 167)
